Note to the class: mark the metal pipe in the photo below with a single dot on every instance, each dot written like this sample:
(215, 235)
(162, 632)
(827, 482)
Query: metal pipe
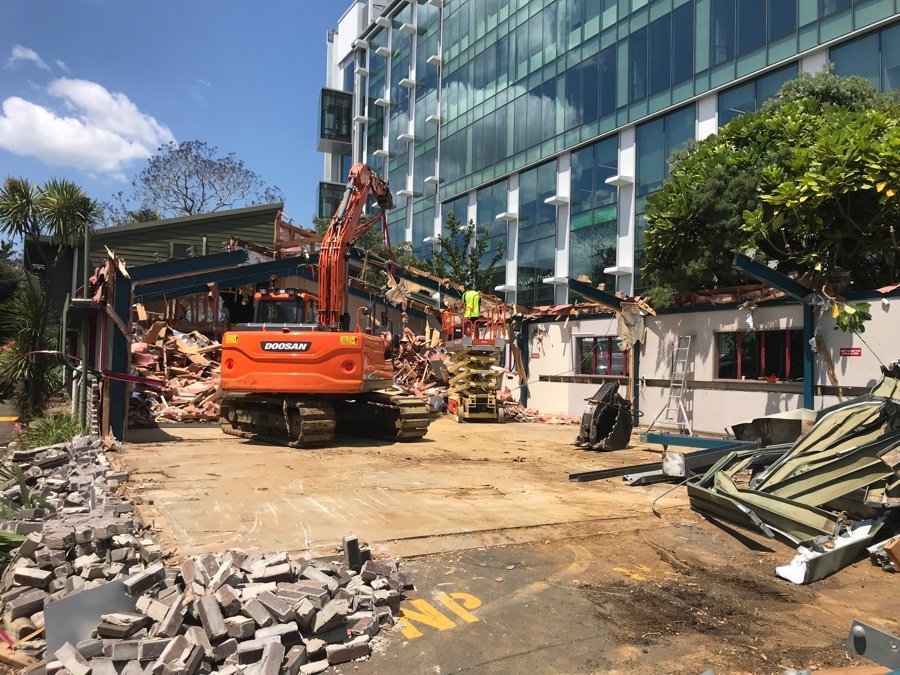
(85, 332)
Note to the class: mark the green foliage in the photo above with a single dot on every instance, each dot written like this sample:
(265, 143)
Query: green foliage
(831, 203)
(59, 209)
(459, 254)
(826, 89)
(809, 181)
(9, 508)
(52, 429)
(11, 280)
(9, 542)
(851, 318)
(30, 379)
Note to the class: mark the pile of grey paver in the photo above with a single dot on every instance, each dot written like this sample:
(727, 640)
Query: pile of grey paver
(236, 612)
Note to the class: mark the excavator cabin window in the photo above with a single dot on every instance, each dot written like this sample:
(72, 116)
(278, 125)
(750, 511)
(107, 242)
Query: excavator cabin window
(284, 311)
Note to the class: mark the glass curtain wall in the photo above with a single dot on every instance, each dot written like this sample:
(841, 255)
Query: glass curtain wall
(375, 128)
(748, 97)
(537, 235)
(492, 202)
(875, 56)
(739, 27)
(594, 211)
(655, 140)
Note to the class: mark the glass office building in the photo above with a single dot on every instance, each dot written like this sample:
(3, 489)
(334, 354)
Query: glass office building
(548, 123)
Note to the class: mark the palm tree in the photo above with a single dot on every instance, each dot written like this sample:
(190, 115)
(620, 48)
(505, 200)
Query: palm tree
(61, 211)
(19, 211)
(30, 379)
(66, 211)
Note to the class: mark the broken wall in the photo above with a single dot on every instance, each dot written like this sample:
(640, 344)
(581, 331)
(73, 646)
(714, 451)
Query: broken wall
(714, 403)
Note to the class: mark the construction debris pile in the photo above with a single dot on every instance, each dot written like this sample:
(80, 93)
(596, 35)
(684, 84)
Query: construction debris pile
(424, 367)
(87, 565)
(835, 493)
(177, 377)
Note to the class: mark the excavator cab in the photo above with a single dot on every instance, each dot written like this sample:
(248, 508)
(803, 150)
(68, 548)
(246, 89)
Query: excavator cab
(285, 307)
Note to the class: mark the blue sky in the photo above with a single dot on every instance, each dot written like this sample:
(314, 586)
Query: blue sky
(90, 88)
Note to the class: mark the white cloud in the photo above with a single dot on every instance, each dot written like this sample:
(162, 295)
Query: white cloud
(62, 65)
(100, 131)
(20, 53)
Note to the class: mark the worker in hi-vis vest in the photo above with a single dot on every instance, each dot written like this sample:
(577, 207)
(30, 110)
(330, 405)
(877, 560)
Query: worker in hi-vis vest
(471, 302)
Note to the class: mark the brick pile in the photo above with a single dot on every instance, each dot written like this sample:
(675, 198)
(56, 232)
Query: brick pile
(179, 377)
(238, 612)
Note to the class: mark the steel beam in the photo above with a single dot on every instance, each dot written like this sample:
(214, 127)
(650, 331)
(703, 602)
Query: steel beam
(588, 292)
(798, 291)
(666, 440)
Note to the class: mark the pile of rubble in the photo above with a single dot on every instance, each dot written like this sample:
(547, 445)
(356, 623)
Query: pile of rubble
(177, 377)
(835, 493)
(91, 580)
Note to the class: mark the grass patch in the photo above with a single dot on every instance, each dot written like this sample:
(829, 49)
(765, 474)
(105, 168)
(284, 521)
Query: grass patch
(52, 429)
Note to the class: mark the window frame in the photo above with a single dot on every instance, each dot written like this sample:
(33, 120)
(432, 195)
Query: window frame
(761, 349)
(610, 345)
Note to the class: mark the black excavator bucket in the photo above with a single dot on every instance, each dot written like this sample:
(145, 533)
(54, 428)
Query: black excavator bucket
(606, 423)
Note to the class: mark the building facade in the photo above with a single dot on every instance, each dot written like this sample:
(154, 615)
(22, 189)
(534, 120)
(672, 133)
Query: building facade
(548, 123)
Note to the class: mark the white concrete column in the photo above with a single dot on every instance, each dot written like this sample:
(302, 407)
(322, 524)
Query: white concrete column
(625, 230)
(562, 200)
(511, 216)
(707, 116)
(814, 61)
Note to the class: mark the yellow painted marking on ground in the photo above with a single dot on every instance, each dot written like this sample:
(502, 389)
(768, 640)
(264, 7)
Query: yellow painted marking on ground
(459, 603)
(426, 615)
(630, 573)
(7, 418)
(644, 568)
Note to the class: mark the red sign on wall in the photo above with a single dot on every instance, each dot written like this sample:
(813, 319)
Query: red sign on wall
(851, 351)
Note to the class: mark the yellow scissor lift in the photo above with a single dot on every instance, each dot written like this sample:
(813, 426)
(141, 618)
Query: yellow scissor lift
(474, 346)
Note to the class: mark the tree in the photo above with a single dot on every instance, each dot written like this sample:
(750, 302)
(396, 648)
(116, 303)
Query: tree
(11, 280)
(459, 255)
(797, 181)
(30, 379)
(61, 211)
(119, 211)
(188, 178)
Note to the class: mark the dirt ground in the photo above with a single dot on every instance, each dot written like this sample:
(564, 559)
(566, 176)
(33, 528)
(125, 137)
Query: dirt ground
(517, 569)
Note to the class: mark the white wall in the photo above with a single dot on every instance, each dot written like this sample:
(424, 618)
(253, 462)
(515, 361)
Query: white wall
(713, 404)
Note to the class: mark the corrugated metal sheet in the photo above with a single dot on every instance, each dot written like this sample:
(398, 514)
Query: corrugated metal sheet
(146, 243)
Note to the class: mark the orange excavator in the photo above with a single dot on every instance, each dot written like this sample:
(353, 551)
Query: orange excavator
(298, 373)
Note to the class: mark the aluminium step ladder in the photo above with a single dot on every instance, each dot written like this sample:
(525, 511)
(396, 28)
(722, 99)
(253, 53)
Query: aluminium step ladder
(674, 412)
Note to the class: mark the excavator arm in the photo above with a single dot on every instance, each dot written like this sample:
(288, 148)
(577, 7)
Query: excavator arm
(344, 228)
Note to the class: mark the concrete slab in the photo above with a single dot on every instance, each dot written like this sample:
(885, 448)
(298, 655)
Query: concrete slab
(462, 486)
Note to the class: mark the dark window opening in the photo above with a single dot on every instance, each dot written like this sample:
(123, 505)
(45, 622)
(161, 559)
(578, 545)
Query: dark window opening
(764, 354)
(601, 356)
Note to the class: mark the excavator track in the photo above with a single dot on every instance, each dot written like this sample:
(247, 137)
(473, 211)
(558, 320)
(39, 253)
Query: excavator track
(297, 422)
(384, 414)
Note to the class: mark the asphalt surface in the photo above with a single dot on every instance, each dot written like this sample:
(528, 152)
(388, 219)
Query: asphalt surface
(7, 418)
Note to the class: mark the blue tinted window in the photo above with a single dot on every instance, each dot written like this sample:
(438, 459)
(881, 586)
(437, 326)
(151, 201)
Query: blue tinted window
(683, 43)
(637, 71)
(751, 25)
(749, 96)
(722, 31)
(859, 57)
(660, 53)
(827, 7)
(782, 17)
(607, 80)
